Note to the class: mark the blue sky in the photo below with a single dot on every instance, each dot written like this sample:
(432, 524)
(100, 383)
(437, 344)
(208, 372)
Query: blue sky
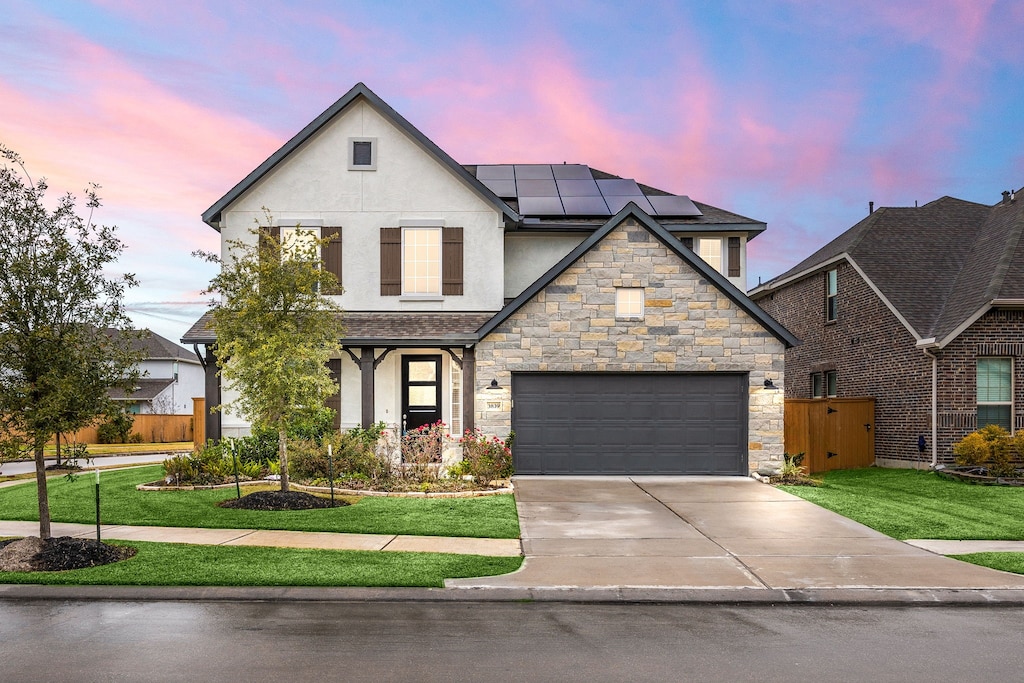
(796, 113)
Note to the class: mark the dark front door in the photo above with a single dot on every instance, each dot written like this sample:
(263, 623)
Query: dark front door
(421, 391)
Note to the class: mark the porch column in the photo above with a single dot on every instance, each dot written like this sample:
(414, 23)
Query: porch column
(366, 374)
(469, 388)
(212, 392)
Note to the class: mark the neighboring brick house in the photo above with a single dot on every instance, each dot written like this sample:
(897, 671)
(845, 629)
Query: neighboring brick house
(921, 308)
(562, 302)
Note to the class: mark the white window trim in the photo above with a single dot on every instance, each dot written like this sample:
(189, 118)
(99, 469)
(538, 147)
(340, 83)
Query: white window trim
(425, 296)
(723, 246)
(979, 402)
(352, 166)
(619, 313)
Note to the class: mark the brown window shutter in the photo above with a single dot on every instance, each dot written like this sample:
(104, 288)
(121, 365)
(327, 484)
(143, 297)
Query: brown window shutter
(734, 257)
(390, 261)
(274, 232)
(330, 255)
(451, 261)
(688, 242)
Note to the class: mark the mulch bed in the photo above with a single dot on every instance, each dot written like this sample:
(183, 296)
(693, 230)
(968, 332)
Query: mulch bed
(280, 500)
(33, 554)
(979, 474)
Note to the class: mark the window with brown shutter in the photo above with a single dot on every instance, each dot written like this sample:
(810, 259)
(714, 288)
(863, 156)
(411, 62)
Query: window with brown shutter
(734, 257)
(390, 261)
(451, 261)
(330, 255)
(688, 242)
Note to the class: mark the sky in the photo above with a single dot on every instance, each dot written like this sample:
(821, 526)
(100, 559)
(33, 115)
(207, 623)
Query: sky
(793, 112)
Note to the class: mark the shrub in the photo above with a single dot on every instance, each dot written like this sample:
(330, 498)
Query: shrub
(992, 447)
(421, 451)
(357, 454)
(115, 428)
(211, 464)
(484, 459)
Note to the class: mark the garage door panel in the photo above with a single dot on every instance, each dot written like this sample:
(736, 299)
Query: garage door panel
(639, 423)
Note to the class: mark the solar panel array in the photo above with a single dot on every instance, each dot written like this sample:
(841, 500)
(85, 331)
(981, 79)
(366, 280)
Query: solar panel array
(551, 190)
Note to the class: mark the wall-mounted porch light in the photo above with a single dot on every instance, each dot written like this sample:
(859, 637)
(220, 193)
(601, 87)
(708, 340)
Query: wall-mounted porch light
(493, 386)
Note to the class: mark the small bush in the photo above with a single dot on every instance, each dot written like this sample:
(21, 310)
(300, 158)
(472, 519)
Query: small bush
(991, 447)
(421, 451)
(115, 428)
(212, 464)
(485, 459)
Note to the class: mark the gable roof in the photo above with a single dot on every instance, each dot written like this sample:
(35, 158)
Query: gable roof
(938, 267)
(631, 210)
(212, 215)
(155, 347)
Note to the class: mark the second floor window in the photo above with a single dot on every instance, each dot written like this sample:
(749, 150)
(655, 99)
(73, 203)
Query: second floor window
(421, 261)
(831, 294)
(710, 249)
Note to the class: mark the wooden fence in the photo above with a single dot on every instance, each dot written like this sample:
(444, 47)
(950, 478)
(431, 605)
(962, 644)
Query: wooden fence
(153, 428)
(832, 433)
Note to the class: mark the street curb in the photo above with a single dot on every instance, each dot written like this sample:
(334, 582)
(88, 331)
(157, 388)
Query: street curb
(864, 597)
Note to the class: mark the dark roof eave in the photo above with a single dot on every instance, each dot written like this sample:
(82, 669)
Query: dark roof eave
(212, 215)
(672, 243)
(379, 342)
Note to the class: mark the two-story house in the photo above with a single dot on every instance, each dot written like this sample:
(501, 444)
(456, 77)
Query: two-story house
(921, 308)
(602, 320)
(169, 378)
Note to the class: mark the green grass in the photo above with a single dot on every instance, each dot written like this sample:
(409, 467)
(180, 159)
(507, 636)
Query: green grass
(482, 517)
(1007, 562)
(171, 564)
(916, 504)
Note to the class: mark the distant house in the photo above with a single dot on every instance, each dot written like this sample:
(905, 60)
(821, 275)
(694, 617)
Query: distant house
(602, 320)
(921, 308)
(170, 378)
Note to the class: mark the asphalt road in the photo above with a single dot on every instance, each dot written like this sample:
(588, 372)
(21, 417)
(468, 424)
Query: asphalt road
(280, 641)
(22, 467)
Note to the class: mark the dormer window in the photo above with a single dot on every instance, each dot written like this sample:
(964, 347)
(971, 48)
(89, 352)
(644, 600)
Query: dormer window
(362, 154)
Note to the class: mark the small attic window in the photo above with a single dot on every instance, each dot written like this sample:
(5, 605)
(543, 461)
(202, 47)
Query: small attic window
(362, 154)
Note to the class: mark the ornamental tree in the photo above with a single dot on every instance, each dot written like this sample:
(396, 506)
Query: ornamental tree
(275, 329)
(57, 305)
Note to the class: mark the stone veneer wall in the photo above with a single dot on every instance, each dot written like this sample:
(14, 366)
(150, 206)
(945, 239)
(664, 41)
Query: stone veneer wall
(688, 326)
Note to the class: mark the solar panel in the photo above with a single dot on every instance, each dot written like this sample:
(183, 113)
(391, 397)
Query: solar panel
(496, 172)
(585, 206)
(619, 187)
(615, 203)
(571, 172)
(502, 188)
(578, 188)
(536, 188)
(673, 205)
(533, 172)
(541, 206)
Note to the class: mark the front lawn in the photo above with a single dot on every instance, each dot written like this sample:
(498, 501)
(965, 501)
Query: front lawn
(1007, 562)
(917, 504)
(482, 517)
(173, 564)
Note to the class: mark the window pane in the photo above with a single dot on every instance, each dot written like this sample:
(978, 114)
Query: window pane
(629, 302)
(422, 371)
(362, 153)
(299, 244)
(995, 376)
(816, 386)
(421, 254)
(423, 396)
(710, 249)
(994, 415)
(833, 282)
(831, 380)
(456, 384)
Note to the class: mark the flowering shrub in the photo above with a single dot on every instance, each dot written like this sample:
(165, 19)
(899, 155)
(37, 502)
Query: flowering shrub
(486, 459)
(421, 450)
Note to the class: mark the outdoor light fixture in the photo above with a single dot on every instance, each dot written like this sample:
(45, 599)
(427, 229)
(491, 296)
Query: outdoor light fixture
(769, 384)
(494, 386)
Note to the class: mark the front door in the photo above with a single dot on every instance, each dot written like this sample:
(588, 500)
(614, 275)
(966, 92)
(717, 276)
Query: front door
(421, 391)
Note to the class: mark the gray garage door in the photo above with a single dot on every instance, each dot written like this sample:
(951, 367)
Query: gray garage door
(638, 423)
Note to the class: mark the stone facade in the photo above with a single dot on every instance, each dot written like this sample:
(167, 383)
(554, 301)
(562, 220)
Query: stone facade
(688, 326)
(873, 354)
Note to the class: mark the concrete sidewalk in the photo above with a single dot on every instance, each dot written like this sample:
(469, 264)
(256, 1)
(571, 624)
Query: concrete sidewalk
(502, 547)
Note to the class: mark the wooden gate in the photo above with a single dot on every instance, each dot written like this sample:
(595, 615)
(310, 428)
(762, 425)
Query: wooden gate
(833, 433)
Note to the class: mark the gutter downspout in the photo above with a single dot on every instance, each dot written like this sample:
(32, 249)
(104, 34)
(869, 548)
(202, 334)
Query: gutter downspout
(926, 346)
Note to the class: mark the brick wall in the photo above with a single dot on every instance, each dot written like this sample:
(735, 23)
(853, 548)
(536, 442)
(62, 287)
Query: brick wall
(688, 326)
(874, 355)
(871, 351)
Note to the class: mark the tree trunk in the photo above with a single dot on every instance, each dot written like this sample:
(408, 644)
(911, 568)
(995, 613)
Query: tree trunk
(44, 501)
(282, 457)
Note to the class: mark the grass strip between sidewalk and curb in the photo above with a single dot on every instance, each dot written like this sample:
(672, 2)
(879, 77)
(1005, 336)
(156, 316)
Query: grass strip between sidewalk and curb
(1007, 562)
(121, 503)
(173, 564)
(905, 503)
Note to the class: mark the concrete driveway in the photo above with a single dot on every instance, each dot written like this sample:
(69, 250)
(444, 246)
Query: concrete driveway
(713, 533)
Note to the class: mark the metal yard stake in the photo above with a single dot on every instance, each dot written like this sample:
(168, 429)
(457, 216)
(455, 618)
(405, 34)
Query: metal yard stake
(330, 471)
(234, 461)
(98, 506)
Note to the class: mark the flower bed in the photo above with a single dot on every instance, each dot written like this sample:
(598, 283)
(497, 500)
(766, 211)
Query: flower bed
(980, 475)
